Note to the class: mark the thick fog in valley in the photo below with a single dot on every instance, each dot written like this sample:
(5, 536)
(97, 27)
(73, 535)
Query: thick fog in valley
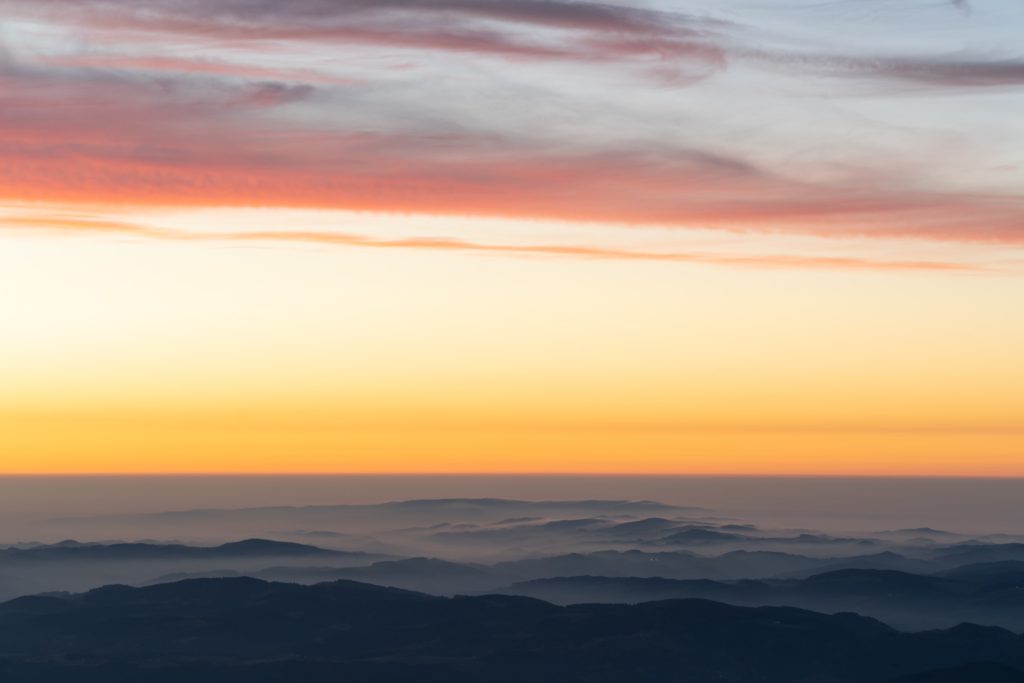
(914, 553)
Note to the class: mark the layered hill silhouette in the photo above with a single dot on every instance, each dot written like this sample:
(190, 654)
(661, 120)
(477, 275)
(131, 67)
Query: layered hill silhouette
(416, 573)
(686, 564)
(504, 590)
(74, 566)
(875, 585)
(250, 630)
(984, 672)
(903, 600)
(384, 515)
(433, 575)
(71, 551)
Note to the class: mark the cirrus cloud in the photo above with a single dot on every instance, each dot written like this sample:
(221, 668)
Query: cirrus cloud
(173, 130)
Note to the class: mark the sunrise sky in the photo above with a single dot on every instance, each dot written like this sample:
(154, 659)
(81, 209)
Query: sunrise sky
(715, 236)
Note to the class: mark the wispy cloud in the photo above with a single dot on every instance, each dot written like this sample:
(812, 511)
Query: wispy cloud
(935, 71)
(86, 226)
(196, 66)
(121, 142)
(687, 46)
(213, 131)
(582, 31)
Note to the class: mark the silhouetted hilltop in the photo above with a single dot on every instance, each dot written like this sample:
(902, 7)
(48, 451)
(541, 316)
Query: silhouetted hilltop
(253, 547)
(872, 583)
(602, 589)
(883, 560)
(418, 573)
(918, 531)
(1007, 571)
(641, 528)
(907, 601)
(985, 672)
(418, 567)
(250, 630)
(686, 564)
(700, 536)
(440, 509)
(973, 553)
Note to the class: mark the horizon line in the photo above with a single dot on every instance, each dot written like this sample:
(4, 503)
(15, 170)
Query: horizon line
(708, 475)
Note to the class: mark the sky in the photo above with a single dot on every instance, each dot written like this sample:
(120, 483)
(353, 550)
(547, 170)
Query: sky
(727, 236)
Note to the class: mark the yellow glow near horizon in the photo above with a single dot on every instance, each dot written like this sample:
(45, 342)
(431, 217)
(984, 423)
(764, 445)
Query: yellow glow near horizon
(136, 355)
(740, 238)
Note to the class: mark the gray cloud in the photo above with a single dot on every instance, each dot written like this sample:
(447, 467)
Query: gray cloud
(939, 71)
(586, 31)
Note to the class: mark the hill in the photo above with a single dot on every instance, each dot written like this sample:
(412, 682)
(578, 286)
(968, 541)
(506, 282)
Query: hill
(247, 629)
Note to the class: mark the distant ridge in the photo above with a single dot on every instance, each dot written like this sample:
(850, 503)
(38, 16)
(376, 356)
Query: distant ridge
(251, 547)
(242, 629)
(909, 601)
(633, 506)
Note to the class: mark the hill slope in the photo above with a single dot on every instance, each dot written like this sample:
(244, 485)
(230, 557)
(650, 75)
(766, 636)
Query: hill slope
(252, 630)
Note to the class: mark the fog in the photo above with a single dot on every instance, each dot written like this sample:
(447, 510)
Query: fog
(835, 504)
(917, 553)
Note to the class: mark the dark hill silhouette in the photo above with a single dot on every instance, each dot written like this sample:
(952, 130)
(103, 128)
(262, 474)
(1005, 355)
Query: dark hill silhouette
(602, 589)
(264, 548)
(907, 601)
(252, 547)
(871, 583)
(418, 567)
(883, 560)
(973, 553)
(417, 573)
(1007, 571)
(700, 536)
(986, 672)
(641, 528)
(72, 566)
(918, 531)
(426, 511)
(686, 564)
(251, 630)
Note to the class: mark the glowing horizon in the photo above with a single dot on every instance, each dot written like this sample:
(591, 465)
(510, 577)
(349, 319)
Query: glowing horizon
(511, 236)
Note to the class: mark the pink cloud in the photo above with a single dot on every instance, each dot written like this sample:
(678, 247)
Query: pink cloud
(587, 31)
(87, 135)
(85, 226)
(212, 67)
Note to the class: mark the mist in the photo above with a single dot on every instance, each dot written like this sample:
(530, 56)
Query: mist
(836, 504)
(915, 553)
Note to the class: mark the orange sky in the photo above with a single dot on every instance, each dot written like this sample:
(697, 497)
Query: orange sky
(568, 237)
(133, 354)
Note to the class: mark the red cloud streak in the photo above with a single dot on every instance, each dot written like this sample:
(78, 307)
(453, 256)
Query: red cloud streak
(85, 226)
(69, 136)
